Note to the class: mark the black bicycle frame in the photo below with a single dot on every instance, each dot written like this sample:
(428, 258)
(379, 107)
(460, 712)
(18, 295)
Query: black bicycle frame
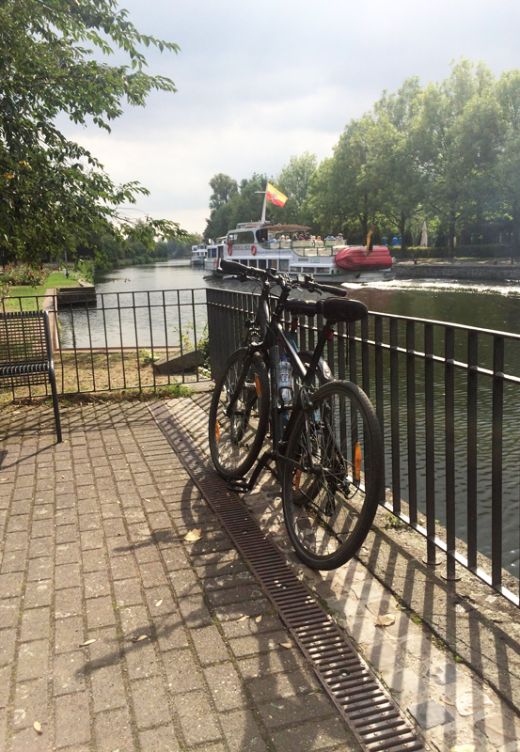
(275, 338)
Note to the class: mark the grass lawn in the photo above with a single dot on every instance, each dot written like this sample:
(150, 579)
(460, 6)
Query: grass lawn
(55, 279)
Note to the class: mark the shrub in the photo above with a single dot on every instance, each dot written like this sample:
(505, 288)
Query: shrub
(22, 274)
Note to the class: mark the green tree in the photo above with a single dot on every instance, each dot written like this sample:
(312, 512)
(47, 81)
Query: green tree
(294, 181)
(54, 194)
(461, 132)
(223, 188)
(244, 205)
(354, 190)
(508, 165)
(395, 163)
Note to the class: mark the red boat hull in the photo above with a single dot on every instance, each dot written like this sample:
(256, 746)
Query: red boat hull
(355, 258)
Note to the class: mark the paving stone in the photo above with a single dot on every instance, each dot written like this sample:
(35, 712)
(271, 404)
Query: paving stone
(67, 576)
(150, 702)
(68, 602)
(198, 721)
(5, 686)
(113, 730)
(9, 612)
(10, 584)
(141, 661)
(160, 739)
(242, 732)
(226, 687)
(69, 673)
(108, 690)
(209, 645)
(68, 634)
(183, 674)
(72, 722)
(430, 713)
(328, 734)
(100, 612)
(35, 624)
(33, 660)
(30, 703)
(260, 643)
(281, 711)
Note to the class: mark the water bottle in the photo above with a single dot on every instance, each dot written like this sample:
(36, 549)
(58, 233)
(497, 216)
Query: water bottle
(286, 386)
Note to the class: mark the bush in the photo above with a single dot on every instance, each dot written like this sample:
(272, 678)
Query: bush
(22, 274)
(85, 269)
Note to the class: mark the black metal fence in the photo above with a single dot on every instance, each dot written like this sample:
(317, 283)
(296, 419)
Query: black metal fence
(447, 397)
(113, 342)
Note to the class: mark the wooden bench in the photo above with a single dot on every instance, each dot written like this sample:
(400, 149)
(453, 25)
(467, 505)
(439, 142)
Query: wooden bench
(26, 354)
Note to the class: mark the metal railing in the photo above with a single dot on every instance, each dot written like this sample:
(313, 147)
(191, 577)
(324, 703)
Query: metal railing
(447, 398)
(113, 343)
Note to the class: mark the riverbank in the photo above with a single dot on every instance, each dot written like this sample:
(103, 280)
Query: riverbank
(26, 296)
(489, 270)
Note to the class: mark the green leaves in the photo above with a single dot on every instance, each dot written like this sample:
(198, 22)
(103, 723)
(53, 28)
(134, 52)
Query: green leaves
(55, 59)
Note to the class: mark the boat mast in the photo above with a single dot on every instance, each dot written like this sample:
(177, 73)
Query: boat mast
(264, 207)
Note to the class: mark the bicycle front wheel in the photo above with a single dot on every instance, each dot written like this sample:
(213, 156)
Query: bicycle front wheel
(332, 475)
(239, 414)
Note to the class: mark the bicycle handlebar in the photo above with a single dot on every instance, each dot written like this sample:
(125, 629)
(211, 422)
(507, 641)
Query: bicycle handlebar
(235, 267)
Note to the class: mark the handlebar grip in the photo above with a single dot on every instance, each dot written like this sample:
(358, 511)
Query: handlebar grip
(337, 291)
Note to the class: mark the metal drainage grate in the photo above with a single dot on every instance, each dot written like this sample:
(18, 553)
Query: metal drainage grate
(367, 708)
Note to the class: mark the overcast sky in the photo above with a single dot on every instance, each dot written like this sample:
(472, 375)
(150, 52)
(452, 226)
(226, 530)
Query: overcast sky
(260, 82)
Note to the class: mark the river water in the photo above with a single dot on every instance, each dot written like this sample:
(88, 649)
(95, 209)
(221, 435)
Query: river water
(490, 306)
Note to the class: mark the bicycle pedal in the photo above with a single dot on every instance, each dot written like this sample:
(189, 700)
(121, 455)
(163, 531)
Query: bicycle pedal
(239, 486)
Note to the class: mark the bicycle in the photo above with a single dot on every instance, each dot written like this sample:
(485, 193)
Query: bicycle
(325, 437)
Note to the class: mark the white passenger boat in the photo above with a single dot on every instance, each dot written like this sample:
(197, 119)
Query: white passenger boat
(198, 254)
(273, 246)
(290, 248)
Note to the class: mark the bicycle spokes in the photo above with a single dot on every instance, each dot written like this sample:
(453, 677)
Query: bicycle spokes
(328, 476)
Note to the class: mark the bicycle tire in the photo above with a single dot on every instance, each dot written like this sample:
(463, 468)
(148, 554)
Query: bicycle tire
(332, 475)
(235, 440)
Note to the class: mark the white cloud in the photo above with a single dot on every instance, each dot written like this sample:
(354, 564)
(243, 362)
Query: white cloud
(261, 82)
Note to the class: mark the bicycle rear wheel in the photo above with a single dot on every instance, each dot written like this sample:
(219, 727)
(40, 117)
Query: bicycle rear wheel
(239, 414)
(332, 475)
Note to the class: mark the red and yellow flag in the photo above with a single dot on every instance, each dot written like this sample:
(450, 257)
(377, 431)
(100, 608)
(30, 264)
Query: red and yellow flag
(274, 196)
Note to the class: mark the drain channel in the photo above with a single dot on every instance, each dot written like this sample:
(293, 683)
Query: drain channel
(364, 704)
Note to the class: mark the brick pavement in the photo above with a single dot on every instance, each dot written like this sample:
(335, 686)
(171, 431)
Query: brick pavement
(116, 631)
(449, 651)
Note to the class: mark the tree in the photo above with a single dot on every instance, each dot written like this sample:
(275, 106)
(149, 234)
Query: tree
(460, 124)
(244, 205)
(354, 189)
(223, 188)
(294, 180)
(54, 194)
(508, 165)
(395, 156)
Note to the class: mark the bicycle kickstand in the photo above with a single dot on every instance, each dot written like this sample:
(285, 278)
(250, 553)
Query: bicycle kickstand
(241, 485)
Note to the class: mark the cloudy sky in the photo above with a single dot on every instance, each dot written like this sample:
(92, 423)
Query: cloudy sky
(259, 82)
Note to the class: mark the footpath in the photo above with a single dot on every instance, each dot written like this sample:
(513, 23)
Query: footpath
(129, 621)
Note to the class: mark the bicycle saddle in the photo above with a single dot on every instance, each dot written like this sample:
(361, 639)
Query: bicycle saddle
(333, 309)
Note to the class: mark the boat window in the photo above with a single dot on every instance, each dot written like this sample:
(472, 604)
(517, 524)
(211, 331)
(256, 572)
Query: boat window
(284, 265)
(242, 237)
(262, 264)
(261, 235)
